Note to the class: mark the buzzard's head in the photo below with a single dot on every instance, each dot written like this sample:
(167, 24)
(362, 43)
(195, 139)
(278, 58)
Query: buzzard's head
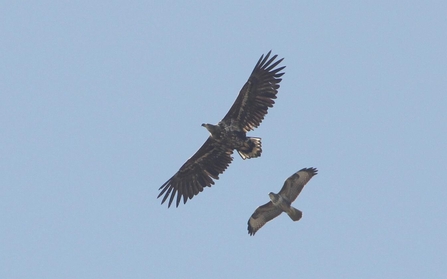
(275, 198)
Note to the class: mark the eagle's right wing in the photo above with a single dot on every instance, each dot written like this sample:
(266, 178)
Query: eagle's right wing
(198, 172)
(262, 215)
(257, 94)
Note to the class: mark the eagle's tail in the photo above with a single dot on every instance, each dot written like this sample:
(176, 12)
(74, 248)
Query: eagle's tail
(251, 149)
(295, 214)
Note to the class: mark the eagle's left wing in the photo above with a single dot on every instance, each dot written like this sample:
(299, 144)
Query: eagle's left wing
(257, 94)
(262, 215)
(198, 172)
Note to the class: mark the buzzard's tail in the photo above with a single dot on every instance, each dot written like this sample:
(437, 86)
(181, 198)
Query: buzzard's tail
(295, 214)
(251, 149)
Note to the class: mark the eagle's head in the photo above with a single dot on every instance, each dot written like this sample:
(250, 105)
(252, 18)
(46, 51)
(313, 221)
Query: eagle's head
(213, 129)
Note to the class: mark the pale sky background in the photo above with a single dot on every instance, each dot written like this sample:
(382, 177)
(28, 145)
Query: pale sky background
(101, 102)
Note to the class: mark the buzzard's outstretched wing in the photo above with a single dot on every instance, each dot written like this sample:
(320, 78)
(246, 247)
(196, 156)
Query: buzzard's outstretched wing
(257, 95)
(198, 172)
(294, 184)
(262, 215)
(291, 189)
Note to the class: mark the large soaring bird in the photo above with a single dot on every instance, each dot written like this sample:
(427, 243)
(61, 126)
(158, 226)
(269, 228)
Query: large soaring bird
(247, 112)
(282, 201)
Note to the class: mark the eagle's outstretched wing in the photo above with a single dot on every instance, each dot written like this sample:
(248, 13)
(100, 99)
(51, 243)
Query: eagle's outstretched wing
(257, 94)
(214, 157)
(198, 172)
(295, 183)
(262, 215)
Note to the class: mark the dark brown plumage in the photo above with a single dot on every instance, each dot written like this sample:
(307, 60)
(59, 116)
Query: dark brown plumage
(214, 157)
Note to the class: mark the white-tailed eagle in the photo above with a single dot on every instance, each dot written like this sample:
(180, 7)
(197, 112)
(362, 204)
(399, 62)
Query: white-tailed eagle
(282, 201)
(247, 112)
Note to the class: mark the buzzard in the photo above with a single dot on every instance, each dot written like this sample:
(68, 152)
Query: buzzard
(214, 157)
(282, 201)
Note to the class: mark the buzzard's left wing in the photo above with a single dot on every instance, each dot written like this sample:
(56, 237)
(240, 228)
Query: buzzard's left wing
(257, 95)
(262, 215)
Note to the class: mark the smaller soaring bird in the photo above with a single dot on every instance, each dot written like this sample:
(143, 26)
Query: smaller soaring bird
(282, 201)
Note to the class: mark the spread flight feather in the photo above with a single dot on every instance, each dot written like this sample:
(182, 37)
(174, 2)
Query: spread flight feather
(282, 201)
(213, 158)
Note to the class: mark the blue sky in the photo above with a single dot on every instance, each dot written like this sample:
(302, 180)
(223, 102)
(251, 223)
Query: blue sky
(101, 103)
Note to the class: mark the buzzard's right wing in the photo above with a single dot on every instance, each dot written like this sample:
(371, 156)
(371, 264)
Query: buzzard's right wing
(295, 183)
